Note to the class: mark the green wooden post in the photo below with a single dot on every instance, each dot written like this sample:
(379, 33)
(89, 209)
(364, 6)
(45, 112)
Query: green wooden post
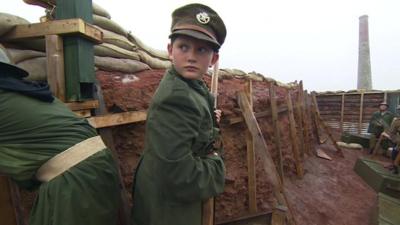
(78, 52)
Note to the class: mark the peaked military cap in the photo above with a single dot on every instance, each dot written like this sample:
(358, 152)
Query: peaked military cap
(7, 67)
(200, 22)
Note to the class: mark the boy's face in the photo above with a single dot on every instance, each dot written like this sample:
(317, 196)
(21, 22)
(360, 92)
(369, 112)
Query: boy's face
(191, 57)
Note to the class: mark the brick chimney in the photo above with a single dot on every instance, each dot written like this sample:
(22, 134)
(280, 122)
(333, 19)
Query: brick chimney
(364, 62)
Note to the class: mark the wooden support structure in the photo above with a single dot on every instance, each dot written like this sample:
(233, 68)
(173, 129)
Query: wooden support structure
(299, 123)
(55, 65)
(307, 125)
(277, 130)
(361, 112)
(303, 115)
(342, 114)
(293, 137)
(266, 113)
(251, 167)
(66, 27)
(324, 126)
(262, 151)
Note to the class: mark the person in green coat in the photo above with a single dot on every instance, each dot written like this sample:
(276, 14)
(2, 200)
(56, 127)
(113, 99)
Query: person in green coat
(180, 166)
(44, 146)
(379, 122)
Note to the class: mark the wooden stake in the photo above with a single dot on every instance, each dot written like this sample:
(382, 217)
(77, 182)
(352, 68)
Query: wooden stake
(342, 114)
(307, 125)
(361, 112)
(293, 137)
(275, 124)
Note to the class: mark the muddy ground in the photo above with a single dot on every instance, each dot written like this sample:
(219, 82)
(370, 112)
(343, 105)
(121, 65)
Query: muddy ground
(331, 193)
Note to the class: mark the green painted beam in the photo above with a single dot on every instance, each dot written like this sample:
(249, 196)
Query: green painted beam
(78, 52)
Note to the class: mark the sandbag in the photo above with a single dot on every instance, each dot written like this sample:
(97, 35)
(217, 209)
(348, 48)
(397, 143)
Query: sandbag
(108, 24)
(110, 50)
(163, 55)
(36, 68)
(122, 65)
(154, 63)
(19, 55)
(117, 39)
(8, 21)
(100, 11)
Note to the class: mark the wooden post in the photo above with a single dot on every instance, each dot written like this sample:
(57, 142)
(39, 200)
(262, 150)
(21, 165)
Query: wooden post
(303, 115)
(307, 125)
(55, 65)
(342, 114)
(299, 122)
(263, 153)
(275, 124)
(78, 52)
(293, 136)
(251, 167)
(361, 112)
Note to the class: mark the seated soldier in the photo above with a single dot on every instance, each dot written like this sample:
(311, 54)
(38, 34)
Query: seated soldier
(393, 134)
(379, 122)
(77, 184)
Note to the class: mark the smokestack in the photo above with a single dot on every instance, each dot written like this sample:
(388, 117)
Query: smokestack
(364, 62)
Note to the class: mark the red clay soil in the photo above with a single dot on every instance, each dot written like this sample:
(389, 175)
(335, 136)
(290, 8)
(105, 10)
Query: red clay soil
(331, 193)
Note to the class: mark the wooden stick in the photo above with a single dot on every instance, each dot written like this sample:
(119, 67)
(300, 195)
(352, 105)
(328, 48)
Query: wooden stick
(275, 124)
(342, 114)
(293, 137)
(208, 205)
(361, 112)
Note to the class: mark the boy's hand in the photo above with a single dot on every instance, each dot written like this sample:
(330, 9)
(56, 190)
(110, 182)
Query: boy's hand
(218, 114)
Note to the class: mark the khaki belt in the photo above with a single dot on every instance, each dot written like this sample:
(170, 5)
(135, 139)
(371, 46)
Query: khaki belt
(69, 158)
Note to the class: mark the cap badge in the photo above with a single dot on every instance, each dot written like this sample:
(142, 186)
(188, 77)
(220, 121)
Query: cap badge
(203, 18)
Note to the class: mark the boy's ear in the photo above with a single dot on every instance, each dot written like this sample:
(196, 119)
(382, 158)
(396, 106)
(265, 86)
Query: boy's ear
(169, 47)
(214, 58)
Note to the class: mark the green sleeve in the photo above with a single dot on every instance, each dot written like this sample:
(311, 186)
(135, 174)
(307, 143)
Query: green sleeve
(173, 127)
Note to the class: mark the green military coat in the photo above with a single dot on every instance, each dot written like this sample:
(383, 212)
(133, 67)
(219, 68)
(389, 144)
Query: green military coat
(380, 122)
(175, 173)
(32, 132)
(394, 131)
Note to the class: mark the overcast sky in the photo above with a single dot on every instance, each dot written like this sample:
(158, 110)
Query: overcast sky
(311, 40)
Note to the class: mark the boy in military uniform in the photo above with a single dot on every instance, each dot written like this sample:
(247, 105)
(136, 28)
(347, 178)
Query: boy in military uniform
(179, 168)
(45, 146)
(393, 134)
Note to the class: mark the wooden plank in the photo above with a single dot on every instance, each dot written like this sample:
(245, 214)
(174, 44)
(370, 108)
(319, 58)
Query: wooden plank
(55, 65)
(83, 113)
(361, 112)
(277, 131)
(307, 123)
(266, 113)
(116, 119)
(90, 104)
(304, 119)
(342, 114)
(293, 137)
(321, 122)
(251, 167)
(299, 123)
(74, 26)
(263, 153)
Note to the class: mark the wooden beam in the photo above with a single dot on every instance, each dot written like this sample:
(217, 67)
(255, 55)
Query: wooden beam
(342, 114)
(56, 27)
(117, 119)
(266, 113)
(277, 131)
(55, 65)
(307, 122)
(251, 167)
(263, 154)
(293, 137)
(299, 115)
(361, 112)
